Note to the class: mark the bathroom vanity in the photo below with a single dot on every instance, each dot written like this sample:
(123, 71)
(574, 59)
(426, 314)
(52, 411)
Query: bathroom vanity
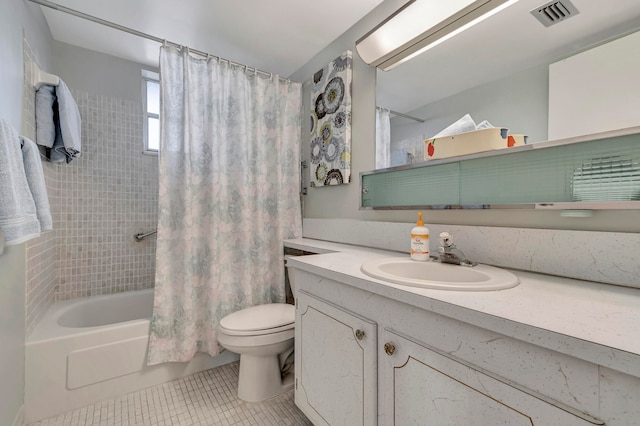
(551, 351)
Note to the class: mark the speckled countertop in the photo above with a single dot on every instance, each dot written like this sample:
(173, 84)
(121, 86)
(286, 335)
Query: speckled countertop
(595, 322)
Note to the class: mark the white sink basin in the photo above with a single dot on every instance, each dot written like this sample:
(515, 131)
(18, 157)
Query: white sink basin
(439, 275)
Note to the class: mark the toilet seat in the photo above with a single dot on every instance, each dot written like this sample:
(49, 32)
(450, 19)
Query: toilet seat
(259, 320)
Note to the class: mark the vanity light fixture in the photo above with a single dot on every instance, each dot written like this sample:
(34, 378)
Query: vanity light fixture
(420, 25)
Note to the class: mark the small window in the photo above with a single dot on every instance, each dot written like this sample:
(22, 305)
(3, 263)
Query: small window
(151, 99)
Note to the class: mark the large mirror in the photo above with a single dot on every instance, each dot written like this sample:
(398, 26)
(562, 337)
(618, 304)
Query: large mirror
(497, 70)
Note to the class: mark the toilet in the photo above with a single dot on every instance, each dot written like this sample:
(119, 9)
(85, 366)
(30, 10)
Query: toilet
(263, 336)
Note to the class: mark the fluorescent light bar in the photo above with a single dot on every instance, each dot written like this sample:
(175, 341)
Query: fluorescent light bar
(421, 25)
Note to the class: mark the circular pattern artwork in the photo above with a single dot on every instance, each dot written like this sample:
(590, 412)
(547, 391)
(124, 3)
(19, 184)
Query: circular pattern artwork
(334, 177)
(331, 123)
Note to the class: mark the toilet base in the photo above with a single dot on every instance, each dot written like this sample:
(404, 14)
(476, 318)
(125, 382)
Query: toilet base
(260, 378)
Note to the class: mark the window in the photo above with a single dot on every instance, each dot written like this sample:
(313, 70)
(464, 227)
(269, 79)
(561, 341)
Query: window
(151, 99)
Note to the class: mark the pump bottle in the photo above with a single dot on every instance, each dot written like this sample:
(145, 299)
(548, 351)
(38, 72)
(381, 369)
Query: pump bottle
(420, 241)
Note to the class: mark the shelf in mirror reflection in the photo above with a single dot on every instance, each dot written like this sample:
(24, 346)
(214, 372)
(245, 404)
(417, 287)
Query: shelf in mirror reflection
(538, 176)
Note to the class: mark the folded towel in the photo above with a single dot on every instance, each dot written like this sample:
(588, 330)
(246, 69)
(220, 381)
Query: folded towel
(18, 217)
(35, 180)
(58, 123)
(70, 122)
(464, 124)
(45, 125)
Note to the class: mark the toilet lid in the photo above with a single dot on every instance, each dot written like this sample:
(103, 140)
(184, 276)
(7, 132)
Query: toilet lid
(261, 317)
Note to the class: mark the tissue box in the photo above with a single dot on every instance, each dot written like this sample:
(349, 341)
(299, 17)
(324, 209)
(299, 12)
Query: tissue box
(470, 143)
(516, 140)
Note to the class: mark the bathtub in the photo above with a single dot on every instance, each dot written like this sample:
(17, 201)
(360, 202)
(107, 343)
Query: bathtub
(87, 350)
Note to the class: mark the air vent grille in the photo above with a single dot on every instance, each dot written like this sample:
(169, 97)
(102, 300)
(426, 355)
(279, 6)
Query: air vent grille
(554, 12)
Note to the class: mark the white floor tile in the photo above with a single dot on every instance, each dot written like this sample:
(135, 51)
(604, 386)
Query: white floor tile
(207, 398)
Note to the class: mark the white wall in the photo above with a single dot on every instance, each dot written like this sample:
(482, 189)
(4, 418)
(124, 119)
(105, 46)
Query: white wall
(12, 332)
(98, 73)
(343, 201)
(519, 102)
(15, 15)
(612, 71)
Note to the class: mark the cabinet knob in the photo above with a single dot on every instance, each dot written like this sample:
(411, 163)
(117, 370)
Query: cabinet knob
(359, 334)
(389, 348)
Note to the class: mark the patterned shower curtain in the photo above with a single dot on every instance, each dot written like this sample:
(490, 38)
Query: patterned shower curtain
(229, 195)
(383, 138)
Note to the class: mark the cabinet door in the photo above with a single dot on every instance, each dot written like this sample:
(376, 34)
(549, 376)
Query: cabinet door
(419, 386)
(335, 364)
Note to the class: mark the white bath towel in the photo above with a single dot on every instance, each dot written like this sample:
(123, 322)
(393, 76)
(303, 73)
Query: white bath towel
(58, 123)
(35, 180)
(18, 218)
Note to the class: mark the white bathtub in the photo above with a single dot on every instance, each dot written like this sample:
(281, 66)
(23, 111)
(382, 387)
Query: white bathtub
(88, 350)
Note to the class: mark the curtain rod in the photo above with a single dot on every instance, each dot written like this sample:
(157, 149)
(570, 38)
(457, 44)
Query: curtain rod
(400, 114)
(77, 13)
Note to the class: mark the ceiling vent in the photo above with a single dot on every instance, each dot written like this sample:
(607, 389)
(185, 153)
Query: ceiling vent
(554, 12)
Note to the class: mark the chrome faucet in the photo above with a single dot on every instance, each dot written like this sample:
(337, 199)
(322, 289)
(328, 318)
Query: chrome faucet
(449, 253)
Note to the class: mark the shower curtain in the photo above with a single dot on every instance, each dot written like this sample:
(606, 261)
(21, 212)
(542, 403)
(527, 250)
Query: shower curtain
(383, 138)
(229, 166)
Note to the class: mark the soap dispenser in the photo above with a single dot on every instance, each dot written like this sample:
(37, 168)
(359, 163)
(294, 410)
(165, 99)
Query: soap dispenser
(420, 240)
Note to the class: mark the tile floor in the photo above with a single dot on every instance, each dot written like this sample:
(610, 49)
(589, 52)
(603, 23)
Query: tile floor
(208, 398)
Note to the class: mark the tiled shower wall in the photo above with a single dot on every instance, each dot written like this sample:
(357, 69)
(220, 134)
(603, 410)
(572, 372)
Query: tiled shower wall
(98, 202)
(108, 195)
(41, 252)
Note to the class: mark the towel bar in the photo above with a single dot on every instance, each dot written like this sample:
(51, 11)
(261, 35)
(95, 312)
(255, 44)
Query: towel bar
(41, 78)
(140, 236)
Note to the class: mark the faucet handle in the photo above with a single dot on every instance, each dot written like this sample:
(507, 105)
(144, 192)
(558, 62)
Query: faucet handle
(446, 239)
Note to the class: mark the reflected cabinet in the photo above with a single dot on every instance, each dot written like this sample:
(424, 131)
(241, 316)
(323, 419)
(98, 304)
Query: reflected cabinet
(600, 171)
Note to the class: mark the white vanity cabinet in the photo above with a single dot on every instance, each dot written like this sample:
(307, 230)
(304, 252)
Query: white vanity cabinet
(335, 364)
(420, 386)
(365, 359)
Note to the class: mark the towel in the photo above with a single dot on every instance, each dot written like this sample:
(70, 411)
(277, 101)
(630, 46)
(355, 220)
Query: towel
(18, 218)
(35, 180)
(58, 123)
(45, 125)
